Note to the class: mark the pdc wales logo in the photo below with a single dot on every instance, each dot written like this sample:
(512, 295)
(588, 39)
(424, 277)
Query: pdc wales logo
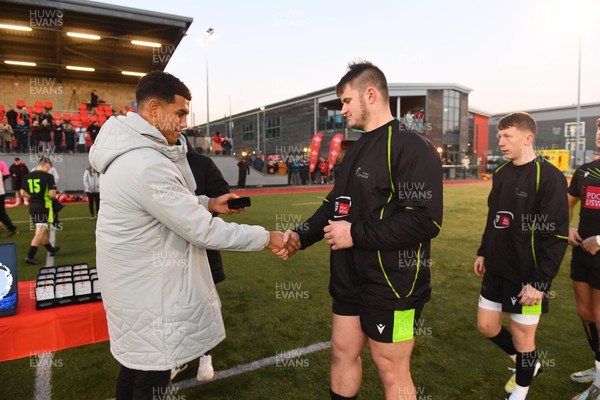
(503, 219)
(342, 206)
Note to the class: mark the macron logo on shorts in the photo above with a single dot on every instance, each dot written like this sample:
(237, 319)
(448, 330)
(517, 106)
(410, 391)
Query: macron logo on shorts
(380, 328)
(513, 300)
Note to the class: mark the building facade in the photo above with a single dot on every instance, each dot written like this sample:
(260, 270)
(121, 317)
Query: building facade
(438, 111)
(557, 130)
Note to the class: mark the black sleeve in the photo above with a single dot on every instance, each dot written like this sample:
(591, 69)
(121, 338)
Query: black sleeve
(574, 189)
(215, 184)
(311, 231)
(553, 215)
(490, 218)
(418, 176)
(51, 182)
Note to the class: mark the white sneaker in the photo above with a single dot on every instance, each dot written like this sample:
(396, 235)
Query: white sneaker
(510, 385)
(205, 370)
(586, 376)
(175, 371)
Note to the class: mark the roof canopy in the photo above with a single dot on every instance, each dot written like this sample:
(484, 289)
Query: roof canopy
(46, 39)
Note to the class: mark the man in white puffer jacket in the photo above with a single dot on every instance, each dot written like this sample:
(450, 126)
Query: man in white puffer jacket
(161, 304)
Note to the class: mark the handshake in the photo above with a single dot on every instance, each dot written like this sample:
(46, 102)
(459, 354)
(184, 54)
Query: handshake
(337, 234)
(284, 245)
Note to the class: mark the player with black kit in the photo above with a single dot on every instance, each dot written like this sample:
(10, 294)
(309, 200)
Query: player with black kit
(524, 242)
(585, 263)
(40, 188)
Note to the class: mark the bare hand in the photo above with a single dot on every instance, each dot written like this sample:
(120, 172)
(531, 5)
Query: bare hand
(277, 245)
(574, 238)
(219, 204)
(479, 266)
(590, 245)
(337, 234)
(530, 296)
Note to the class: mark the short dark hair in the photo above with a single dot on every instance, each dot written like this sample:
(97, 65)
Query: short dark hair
(161, 86)
(362, 74)
(520, 120)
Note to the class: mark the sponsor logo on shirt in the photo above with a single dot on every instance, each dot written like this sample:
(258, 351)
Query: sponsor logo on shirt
(361, 174)
(591, 197)
(520, 193)
(503, 219)
(342, 206)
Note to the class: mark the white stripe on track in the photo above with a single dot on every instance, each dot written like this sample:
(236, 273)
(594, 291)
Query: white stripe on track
(43, 377)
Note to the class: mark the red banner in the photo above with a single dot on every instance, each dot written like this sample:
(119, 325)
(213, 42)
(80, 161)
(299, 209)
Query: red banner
(334, 149)
(315, 145)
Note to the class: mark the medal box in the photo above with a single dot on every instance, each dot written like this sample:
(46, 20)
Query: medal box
(64, 285)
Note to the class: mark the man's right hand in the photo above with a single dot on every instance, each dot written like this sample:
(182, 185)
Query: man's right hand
(574, 238)
(479, 266)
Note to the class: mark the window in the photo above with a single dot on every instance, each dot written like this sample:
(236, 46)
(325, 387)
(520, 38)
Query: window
(273, 127)
(248, 131)
(451, 125)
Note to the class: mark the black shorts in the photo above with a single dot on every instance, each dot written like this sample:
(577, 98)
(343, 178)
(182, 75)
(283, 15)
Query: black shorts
(39, 216)
(18, 184)
(585, 268)
(385, 326)
(499, 290)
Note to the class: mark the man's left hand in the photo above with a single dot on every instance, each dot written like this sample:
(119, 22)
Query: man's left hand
(590, 245)
(530, 296)
(219, 204)
(337, 234)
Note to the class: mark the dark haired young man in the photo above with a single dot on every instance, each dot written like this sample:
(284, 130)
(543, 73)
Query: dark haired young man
(383, 211)
(585, 263)
(161, 304)
(39, 186)
(522, 247)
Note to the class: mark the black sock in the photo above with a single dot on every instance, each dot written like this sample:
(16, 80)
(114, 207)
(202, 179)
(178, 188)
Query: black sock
(335, 396)
(526, 367)
(504, 341)
(592, 336)
(49, 247)
(31, 252)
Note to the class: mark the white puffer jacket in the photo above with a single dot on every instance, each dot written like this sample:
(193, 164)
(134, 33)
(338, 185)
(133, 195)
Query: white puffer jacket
(152, 231)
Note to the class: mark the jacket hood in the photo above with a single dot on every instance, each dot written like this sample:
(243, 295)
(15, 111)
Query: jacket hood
(122, 134)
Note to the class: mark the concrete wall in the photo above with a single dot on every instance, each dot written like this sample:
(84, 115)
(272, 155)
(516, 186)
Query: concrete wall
(71, 167)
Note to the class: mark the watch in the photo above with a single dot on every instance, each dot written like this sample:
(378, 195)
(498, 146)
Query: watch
(598, 240)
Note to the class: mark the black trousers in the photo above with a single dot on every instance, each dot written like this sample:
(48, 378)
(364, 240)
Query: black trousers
(133, 384)
(93, 197)
(4, 218)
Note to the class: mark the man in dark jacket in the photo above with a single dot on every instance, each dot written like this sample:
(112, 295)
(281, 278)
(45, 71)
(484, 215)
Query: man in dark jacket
(243, 171)
(209, 182)
(380, 217)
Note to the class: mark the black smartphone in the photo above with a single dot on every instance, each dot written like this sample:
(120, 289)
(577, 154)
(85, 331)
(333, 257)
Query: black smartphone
(240, 202)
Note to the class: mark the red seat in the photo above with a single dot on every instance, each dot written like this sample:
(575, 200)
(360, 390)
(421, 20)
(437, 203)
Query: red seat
(30, 109)
(67, 117)
(84, 118)
(101, 119)
(48, 105)
(20, 103)
(38, 110)
(93, 118)
(1, 109)
(37, 104)
(56, 116)
(109, 111)
(132, 109)
(76, 123)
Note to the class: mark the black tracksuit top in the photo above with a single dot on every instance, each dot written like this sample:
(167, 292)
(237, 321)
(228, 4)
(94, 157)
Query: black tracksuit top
(525, 237)
(390, 188)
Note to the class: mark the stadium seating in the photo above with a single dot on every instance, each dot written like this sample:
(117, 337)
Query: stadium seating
(48, 105)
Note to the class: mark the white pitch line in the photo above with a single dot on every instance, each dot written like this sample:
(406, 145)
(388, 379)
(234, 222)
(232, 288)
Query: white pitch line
(307, 204)
(43, 376)
(254, 365)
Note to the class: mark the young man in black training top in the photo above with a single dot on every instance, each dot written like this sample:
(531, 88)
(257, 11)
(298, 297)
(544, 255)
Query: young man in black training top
(40, 188)
(384, 209)
(585, 263)
(522, 247)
